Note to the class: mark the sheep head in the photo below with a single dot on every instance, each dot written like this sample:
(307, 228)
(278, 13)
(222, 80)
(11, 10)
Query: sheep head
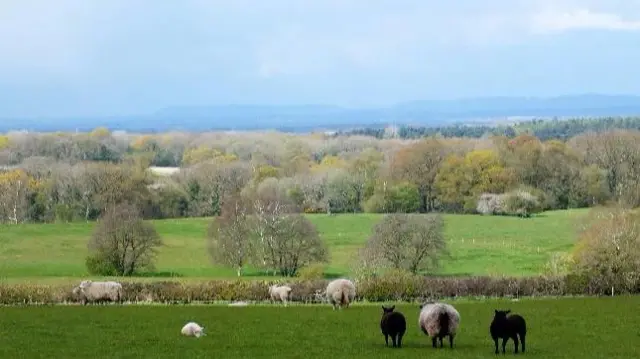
(501, 314)
(388, 309)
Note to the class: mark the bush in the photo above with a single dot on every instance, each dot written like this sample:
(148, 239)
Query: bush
(122, 242)
(515, 203)
(390, 286)
(521, 203)
(312, 272)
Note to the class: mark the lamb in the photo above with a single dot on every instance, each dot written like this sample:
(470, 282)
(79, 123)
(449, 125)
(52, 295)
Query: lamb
(192, 329)
(506, 327)
(393, 324)
(280, 293)
(340, 293)
(89, 291)
(438, 320)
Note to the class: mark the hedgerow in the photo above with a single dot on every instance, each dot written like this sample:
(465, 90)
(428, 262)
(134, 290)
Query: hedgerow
(389, 287)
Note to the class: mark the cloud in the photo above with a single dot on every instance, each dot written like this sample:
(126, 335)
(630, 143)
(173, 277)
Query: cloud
(108, 40)
(581, 19)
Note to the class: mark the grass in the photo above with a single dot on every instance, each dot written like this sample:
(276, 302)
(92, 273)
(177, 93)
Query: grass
(478, 245)
(557, 328)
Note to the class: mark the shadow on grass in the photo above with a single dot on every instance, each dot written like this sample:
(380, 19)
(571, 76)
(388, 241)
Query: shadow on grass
(426, 344)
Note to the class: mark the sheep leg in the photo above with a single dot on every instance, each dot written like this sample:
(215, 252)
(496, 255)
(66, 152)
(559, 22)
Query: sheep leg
(399, 340)
(504, 345)
(515, 343)
(393, 340)
(441, 343)
(495, 341)
(386, 340)
(434, 341)
(522, 335)
(451, 341)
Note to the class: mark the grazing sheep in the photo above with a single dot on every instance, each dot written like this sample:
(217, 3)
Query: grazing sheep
(438, 320)
(279, 293)
(340, 293)
(508, 327)
(192, 329)
(89, 291)
(393, 324)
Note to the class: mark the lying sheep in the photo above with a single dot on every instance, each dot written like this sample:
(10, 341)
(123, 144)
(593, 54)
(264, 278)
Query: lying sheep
(340, 293)
(192, 329)
(89, 291)
(281, 293)
(438, 320)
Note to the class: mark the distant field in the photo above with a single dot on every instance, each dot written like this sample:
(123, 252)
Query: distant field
(557, 328)
(478, 245)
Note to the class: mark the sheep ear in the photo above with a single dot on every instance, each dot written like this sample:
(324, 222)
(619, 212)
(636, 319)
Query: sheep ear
(393, 307)
(508, 311)
(495, 310)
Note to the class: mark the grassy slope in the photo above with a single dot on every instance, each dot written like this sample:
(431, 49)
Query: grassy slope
(478, 245)
(563, 328)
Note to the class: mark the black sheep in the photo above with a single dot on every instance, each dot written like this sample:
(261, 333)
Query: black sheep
(393, 324)
(508, 327)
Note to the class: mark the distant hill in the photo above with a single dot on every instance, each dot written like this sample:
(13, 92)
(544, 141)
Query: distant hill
(304, 118)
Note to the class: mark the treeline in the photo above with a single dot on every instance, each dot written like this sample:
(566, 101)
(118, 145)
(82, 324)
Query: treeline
(543, 129)
(77, 176)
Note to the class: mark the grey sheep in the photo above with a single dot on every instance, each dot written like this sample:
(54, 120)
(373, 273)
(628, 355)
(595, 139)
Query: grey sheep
(340, 293)
(438, 320)
(89, 291)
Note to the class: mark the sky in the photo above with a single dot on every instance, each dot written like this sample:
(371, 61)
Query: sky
(116, 57)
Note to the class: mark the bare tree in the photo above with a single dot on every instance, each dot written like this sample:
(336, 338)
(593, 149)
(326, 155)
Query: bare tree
(296, 244)
(122, 243)
(230, 235)
(285, 241)
(412, 242)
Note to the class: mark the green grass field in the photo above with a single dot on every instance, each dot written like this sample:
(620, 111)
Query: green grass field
(582, 328)
(478, 245)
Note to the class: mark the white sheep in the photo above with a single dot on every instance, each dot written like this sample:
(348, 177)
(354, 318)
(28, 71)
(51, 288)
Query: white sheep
(340, 293)
(438, 320)
(89, 291)
(281, 293)
(192, 329)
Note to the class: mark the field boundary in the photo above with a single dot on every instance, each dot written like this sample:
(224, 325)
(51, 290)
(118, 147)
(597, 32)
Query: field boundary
(399, 288)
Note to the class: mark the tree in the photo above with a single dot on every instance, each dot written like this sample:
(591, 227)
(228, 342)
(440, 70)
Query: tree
(411, 242)
(16, 187)
(418, 164)
(122, 243)
(230, 235)
(608, 250)
(461, 180)
(284, 240)
(4, 142)
(295, 244)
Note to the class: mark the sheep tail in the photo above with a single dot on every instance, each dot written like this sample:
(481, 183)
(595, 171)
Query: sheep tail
(443, 320)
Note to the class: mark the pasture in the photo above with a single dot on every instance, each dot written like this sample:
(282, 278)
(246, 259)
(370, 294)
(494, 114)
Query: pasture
(479, 245)
(557, 328)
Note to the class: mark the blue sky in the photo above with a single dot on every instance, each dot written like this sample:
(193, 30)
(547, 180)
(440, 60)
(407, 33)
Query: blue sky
(109, 57)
